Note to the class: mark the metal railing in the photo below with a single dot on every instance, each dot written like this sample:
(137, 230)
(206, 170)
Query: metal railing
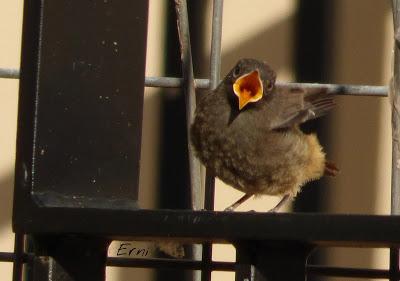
(189, 83)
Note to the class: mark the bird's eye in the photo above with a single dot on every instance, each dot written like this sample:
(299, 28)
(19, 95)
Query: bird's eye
(236, 72)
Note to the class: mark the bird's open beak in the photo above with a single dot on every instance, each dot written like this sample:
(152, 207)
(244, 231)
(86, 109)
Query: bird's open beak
(248, 88)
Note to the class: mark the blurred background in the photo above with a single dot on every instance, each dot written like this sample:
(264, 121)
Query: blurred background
(333, 41)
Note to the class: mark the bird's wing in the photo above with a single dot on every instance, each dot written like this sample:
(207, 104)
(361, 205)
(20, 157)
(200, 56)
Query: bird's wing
(297, 105)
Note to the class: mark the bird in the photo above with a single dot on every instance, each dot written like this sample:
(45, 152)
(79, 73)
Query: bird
(247, 133)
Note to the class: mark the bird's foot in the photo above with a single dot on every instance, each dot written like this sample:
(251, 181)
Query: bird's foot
(229, 209)
(283, 201)
(244, 198)
(331, 169)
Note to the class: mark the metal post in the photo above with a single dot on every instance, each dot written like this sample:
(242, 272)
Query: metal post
(69, 258)
(277, 261)
(79, 128)
(18, 253)
(395, 192)
(196, 188)
(190, 95)
(215, 66)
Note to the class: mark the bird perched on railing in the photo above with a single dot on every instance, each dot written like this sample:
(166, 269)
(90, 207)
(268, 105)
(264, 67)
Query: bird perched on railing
(247, 133)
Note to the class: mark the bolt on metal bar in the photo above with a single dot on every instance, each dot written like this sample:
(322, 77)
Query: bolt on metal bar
(197, 201)
(395, 92)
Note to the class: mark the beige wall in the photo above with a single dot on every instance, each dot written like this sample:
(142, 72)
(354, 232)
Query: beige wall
(360, 126)
(10, 38)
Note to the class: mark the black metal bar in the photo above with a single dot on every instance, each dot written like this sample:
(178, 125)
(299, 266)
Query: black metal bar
(10, 257)
(319, 270)
(69, 258)
(245, 269)
(262, 261)
(167, 263)
(394, 264)
(209, 205)
(79, 126)
(79, 130)
(7, 257)
(198, 226)
(349, 272)
(18, 254)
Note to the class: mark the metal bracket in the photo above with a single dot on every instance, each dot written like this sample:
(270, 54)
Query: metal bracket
(266, 261)
(69, 258)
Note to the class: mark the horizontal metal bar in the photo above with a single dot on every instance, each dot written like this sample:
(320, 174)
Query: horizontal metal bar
(335, 89)
(200, 226)
(10, 257)
(174, 82)
(169, 263)
(225, 266)
(338, 89)
(6, 257)
(9, 73)
(350, 272)
(231, 266)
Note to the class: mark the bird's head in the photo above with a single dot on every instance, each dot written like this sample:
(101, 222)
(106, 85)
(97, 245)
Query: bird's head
(251, 80)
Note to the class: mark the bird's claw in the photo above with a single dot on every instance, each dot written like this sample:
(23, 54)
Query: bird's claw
(229, 209)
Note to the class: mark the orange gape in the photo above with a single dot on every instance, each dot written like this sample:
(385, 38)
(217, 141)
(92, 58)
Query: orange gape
(248, 88)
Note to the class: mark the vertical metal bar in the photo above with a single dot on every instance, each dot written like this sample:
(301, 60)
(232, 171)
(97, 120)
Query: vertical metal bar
(18, 253)
(196, 188)
(190, 94)
(215, 67)
(215, 60)
(395, 95)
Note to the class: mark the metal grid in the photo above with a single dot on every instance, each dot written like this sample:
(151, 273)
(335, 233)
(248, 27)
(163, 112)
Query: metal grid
(189, 83)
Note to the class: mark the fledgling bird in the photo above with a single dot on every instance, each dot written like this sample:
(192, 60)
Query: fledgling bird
(247, 133)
